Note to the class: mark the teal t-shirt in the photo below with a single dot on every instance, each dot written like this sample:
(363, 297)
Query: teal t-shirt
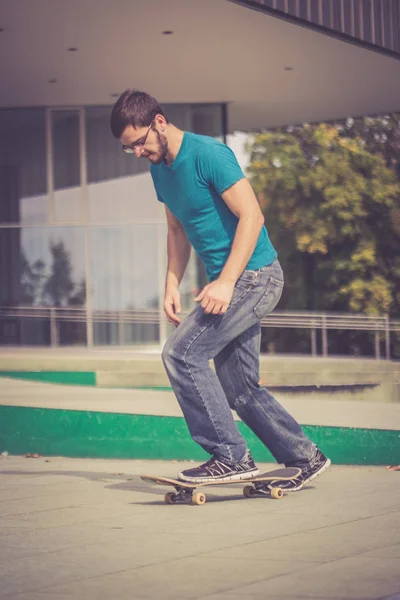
(191, 187)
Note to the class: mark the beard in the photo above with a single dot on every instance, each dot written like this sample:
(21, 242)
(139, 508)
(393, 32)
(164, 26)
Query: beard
(159, 156)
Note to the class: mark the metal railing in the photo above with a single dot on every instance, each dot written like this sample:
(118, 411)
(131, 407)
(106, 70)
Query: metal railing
(380, 326)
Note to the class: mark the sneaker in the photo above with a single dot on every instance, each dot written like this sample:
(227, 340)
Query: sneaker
(217, 470)
(318, 466)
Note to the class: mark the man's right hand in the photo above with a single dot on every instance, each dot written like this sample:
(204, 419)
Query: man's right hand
(172, 306)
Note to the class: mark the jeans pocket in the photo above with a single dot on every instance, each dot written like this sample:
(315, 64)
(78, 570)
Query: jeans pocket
(270, 298)
(247, 280)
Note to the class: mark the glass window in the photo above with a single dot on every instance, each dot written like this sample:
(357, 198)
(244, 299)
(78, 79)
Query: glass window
(206, 119)
(42, 285)
(126, 199)
(55, 256)
(124, 267)
(125, 283)
(42, 266)
(66, 152)
(120, 187)
(23, 179)
(66, 166)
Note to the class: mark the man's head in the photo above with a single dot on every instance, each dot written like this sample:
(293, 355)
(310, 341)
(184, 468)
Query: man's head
(139, 122)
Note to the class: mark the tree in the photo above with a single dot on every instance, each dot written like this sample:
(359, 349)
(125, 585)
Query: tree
(59, 287)
(332, 208)
(31, 279)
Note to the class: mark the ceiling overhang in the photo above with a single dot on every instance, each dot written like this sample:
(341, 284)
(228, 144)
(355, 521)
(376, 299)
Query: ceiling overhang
(270, 71)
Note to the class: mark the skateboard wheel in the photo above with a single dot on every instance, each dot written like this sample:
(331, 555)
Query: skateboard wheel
(170, 498)
(198, 498)
(276, 493)
(248, 491)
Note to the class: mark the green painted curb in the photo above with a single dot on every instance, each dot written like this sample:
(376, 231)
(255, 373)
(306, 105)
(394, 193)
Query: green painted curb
(56, 432)
(63, 377)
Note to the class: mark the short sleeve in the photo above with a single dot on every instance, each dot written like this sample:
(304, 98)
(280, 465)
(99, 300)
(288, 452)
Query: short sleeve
(159, 197)
(220, 167)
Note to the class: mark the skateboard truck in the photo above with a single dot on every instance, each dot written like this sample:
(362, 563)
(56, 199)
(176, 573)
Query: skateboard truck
(188, 496)
(264, 485)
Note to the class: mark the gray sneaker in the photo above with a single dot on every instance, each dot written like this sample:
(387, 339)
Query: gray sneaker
(217, 470)
(311, 471)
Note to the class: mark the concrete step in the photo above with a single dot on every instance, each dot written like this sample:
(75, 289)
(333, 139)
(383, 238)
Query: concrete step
(131, 359)
(156, 378)
(306, 409)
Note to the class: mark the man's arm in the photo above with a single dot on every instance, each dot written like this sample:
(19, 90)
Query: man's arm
(178, 250)
(241, 200)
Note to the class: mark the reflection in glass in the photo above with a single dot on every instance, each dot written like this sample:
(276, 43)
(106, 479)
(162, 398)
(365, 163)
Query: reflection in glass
(53, 260)
(124, 200)
(119, 187)
(43, 276)
(42, 285)
(124, 267)
(66, 166)
(23, 179)
(124, 278)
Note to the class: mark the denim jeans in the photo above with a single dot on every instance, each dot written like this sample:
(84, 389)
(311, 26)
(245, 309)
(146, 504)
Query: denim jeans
(232, 341)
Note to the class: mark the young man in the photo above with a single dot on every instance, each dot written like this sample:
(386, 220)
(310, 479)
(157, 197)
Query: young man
(211, 206)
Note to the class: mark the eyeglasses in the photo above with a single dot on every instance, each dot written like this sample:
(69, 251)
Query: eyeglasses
(138, 145)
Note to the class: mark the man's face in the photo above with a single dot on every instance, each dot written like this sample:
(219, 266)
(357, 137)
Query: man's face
(146, 142)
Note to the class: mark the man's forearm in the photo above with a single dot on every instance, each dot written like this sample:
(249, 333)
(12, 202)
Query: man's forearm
(245, 240)
(178, 248)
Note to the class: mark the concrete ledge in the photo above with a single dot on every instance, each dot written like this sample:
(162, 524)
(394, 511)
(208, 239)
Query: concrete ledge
(307, 409)
(348, 378)
(103, 423)
(95, 434)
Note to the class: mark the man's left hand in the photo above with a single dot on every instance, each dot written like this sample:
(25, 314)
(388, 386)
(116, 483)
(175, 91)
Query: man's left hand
(215, 297)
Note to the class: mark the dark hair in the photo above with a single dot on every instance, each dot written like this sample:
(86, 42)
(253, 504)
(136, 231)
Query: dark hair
(133, 108)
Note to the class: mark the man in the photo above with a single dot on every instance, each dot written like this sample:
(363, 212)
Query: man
(211, 206)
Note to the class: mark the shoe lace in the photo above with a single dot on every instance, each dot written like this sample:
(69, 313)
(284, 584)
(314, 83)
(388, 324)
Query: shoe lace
(212, 465)
(209, 462)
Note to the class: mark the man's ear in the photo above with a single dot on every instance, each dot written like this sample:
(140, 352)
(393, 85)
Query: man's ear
(160, 121)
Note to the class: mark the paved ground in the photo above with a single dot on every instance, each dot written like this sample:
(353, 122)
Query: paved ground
(91, 529)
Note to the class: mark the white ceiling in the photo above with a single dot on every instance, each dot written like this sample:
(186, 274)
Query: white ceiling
(219, 52)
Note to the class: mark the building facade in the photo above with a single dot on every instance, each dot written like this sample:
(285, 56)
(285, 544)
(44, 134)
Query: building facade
(82, 235)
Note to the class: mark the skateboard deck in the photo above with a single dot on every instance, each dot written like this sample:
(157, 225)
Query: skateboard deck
(266, 484)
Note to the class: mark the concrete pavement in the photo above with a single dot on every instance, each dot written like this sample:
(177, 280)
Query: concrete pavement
(91, 529)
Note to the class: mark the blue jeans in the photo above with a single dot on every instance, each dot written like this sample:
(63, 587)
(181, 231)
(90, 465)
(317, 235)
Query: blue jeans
(206, 397)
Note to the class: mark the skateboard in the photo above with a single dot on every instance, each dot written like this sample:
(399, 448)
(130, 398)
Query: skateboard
(266, 484)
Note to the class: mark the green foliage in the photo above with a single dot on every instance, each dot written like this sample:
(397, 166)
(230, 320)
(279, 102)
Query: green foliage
(330, 194)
